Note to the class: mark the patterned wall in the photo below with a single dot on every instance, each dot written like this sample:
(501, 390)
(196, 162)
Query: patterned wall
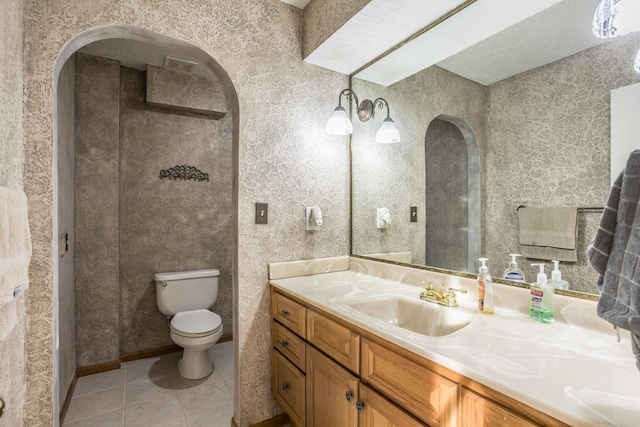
(393, 175)
(285, 159)
(549, 142)
(13, 314)
(546, 144)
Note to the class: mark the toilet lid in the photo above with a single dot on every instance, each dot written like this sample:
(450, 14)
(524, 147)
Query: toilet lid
(196, 322)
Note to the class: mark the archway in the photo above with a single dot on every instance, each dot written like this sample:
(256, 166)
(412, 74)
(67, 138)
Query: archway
(63, 288)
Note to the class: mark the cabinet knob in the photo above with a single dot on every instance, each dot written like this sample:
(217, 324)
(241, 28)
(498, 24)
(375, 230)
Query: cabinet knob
(284, 343)
(285, 386)
(349, 396)
(284, 312)
(360, 406)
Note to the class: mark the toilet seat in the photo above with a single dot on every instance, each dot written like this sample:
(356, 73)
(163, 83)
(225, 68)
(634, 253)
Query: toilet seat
(196, 323)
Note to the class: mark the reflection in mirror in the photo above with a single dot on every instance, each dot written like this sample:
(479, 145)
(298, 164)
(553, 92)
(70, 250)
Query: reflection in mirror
(542, 137)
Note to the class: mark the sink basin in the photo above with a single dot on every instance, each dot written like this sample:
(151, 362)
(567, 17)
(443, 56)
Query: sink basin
(414, 315)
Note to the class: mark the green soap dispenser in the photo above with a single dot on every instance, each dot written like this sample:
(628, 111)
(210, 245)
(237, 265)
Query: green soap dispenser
(541, 308)
(514, 273)
(556, 278)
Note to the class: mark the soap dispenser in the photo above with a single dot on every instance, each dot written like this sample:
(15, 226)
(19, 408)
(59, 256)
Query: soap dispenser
(485, 289)
(514, 273)
(556, 278)
(541, 308)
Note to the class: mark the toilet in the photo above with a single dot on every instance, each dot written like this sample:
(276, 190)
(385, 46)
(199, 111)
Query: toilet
(186, 297)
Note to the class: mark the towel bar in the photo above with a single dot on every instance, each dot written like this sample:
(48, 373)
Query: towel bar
(583, 208)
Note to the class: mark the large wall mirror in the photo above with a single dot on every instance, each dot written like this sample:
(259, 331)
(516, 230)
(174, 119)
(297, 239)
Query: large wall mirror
(518, 116)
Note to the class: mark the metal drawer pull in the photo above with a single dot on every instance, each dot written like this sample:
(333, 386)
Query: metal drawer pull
(284, 343)
(284, 312)
(360, 406)
(349, 396)
(285, 386)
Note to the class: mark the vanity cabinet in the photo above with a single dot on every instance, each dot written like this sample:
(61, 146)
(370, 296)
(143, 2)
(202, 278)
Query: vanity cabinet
(329, 373)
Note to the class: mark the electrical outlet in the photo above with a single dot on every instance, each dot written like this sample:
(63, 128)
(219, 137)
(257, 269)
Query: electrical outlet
(262, 213)
(413, 214)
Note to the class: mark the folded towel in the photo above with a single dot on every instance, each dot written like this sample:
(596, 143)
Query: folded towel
(615, 253)
(549, 233)
(15, 243)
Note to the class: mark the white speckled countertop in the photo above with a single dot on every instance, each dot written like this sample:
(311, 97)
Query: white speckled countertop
(574, 369)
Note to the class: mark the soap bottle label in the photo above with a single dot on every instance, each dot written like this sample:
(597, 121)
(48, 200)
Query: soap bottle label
(537, 295)
(481, 293)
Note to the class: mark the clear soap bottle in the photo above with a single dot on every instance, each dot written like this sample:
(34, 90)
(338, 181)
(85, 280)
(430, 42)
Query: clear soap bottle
(485, 289)
(556, 278)
(514, 273)
(541, 308)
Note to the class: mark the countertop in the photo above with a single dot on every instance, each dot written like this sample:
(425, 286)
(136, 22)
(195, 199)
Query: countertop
(574, 369)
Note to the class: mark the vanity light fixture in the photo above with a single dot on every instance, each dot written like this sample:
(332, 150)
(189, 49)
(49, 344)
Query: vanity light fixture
(339, 123)
(615, 18)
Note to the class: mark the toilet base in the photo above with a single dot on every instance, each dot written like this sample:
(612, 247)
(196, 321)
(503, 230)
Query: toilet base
(195, 364)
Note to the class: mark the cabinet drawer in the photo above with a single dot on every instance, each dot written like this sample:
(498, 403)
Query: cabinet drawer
(430, 397)
(479, 411)
(339, 342)
(288, 388)
(288, 344)
(289, 313)
(378, 411)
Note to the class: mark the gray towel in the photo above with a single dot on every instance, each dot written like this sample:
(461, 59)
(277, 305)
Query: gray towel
(615, 253)
(549, 233)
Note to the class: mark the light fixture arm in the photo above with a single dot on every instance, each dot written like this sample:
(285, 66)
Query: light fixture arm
(380, 103)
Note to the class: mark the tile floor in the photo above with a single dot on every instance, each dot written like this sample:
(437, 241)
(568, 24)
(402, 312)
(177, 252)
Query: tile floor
(151, 392)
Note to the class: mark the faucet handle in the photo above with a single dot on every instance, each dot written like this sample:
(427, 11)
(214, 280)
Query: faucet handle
(452, 292)
(428, 285)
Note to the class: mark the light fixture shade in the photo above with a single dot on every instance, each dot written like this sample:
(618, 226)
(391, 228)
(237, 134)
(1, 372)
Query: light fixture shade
(615, 18)
(388, 133)
(339, 123)
(636, 63)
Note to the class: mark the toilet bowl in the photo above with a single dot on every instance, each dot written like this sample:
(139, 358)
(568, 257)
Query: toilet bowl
(186, 297)
(195, 331)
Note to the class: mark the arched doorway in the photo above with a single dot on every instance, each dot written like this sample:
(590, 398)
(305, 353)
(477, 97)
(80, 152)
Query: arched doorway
(452, 160)
(125, 40)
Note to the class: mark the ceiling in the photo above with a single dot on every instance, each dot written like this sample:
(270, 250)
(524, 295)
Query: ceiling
(491, 40)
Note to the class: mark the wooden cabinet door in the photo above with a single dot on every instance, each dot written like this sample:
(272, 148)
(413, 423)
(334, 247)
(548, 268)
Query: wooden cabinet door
(379, 412)
(342, 344)
(425, 394)
(332, 393)
(477, 411)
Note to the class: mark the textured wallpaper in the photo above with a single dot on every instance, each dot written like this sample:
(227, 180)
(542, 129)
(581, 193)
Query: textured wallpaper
(546, 144)
(13, 314)
(393, 175)
(284, 159)
(548, 133)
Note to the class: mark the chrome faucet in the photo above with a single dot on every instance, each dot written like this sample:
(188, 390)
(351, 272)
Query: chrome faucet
(442, 297)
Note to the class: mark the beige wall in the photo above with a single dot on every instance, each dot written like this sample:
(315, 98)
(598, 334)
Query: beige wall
(12, 315)
(285, 159)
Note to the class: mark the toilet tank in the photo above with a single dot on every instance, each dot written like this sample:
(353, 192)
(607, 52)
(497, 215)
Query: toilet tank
(186, 290)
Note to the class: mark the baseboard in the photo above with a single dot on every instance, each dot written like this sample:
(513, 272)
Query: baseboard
(145, 354)
(277, 421)
(96, 369)
(67, 400)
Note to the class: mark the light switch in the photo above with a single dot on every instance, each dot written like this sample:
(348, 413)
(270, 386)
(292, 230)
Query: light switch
(262, 213)
(413, 214)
